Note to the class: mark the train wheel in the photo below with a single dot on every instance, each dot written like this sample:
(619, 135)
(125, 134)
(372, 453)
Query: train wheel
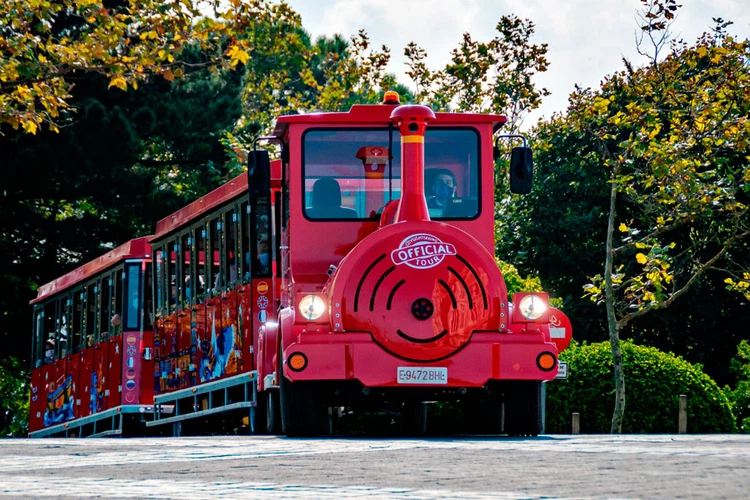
(523, 408)
(273, 417)
(259, 423)
(414, 418)
(299, 413)
(484, 416)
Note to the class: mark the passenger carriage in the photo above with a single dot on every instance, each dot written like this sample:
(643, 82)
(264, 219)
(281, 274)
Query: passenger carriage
(91, 328)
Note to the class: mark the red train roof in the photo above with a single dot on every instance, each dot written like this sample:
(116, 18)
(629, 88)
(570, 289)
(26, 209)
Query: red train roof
(224, 193)
(133, 249)
(379, 114)
(217, 197)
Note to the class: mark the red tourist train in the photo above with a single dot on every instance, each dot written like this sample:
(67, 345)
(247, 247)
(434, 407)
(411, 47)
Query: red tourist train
(89, 329)
(358, 270)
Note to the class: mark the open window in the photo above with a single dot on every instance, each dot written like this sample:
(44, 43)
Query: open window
(214, 251)
(37, 349)
(186, 276)
(201, 256)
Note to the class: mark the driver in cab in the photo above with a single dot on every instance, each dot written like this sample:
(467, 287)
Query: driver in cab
(440, 188)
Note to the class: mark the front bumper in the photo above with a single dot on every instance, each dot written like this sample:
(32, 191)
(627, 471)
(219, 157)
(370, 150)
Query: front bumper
(354, 356)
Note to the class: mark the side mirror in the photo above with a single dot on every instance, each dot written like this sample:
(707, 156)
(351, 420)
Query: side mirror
(258, 170)
(521, 170)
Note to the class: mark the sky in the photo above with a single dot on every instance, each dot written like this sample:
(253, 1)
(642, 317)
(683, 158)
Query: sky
(587, 38)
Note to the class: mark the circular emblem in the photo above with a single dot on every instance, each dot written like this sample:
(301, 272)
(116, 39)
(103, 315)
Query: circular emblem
(262, 302)
(422, 309)
(422, 251)
(262, 288)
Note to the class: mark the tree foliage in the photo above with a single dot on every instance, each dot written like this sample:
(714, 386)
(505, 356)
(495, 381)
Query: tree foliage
(45, 46)
(671, 137)
(739, 397)
(14, 398)
(489, 77)
(129, 159)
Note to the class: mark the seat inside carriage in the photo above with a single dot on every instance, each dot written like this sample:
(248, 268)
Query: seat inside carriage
(326, 201)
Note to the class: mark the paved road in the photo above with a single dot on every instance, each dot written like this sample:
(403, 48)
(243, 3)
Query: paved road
(715, 466)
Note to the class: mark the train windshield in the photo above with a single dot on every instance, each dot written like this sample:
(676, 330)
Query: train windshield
(351, 174)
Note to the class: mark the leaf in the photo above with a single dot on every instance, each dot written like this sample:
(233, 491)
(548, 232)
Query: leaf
(30, 126)
(237, 55)
(118, 82)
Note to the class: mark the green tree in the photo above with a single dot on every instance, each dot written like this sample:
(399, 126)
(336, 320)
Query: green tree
(671, 137)
(740, 395)
(14, 398)
(492, 77)
(129, 159)
(46, 46)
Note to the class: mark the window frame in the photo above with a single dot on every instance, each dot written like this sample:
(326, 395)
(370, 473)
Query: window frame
(394, 143)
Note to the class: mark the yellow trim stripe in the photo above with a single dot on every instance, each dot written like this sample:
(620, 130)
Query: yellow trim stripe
(412, 138)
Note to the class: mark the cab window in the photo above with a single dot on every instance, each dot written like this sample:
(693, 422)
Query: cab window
(348, 175)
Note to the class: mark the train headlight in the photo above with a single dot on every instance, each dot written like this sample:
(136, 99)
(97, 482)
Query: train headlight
(312, 307)
(532, 307)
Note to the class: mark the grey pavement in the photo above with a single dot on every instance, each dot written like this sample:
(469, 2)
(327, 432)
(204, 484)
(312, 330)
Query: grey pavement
(602, 466)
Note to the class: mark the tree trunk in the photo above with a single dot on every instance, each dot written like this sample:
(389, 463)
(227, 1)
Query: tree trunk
(614, 329)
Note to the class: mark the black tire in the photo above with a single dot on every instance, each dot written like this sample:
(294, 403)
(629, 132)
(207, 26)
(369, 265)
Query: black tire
(523, 408)
(273, 413)
(483, 416)
(259, 423)
(414, 418)
(299, 413)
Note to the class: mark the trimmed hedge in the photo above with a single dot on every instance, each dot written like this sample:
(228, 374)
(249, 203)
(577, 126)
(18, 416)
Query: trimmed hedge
(654, 381)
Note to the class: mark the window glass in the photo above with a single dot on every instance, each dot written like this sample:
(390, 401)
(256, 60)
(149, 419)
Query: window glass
(186, 277)
(262, 258)
(160, 278)
(347, 175)
(105, 315)
(63, 327)
(148, 309)
(132, 292)
(230, 247)
(117, 301)
(77, 320)
(90, 315)
(39, 344)
(214, 263)
(51, 346)
(244, 237)
(171, 271)
(200, 250)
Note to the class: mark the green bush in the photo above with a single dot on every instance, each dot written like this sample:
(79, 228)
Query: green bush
(739, 397)
(14, 396)
(654, 381)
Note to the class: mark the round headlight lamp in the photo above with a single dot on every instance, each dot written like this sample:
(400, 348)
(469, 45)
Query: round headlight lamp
(312, 307)
(532, 307)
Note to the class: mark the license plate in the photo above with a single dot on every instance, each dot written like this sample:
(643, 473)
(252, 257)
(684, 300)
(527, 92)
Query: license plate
(421, 375)
(562, 370)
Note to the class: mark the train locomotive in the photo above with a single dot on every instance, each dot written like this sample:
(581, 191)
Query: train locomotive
(411, 308)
